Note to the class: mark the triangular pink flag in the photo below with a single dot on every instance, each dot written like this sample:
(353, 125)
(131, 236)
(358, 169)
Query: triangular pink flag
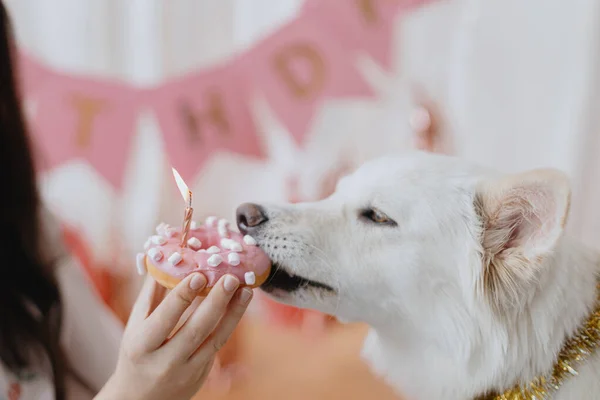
(309, 5)
(363, 25)
(80, 118)
(31, 74)
(203, 113)
(300, 66)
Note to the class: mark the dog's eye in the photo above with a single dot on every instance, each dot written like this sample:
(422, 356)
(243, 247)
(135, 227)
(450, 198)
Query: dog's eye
(376, 216)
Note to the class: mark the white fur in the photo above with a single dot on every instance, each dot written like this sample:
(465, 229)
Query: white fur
(435, 334)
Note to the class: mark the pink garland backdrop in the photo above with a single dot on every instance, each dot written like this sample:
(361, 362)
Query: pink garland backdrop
(296, 69)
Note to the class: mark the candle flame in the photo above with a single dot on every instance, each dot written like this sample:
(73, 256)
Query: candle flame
(186, 193)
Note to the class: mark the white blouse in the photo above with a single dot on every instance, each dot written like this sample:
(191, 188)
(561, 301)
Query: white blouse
(91, 336)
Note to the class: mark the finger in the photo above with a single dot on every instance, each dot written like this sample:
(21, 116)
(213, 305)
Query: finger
(158, 296)
(206, 317)
(142, 305)
(224, 330)
(164, 319)
(186, 315)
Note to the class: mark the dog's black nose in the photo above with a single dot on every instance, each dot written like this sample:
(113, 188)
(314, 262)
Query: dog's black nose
(249, 216)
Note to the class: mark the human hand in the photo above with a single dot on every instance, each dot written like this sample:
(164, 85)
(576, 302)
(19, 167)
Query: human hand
(156, 364)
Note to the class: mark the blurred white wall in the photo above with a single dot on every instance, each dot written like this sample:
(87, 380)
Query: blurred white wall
(517, 83)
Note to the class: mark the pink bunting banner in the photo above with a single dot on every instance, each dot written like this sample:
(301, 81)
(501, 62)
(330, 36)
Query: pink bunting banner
(296, 69)
(362, 25)
(299, 67)
(79, 118)
(32, 75)
(204, 113)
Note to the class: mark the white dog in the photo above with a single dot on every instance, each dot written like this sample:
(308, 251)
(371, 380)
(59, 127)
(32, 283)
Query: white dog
(464, 275)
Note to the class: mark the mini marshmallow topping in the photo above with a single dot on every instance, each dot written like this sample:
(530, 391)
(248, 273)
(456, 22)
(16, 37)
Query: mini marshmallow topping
(175, 258)
(227, 243)
(250, 278)
(158, 240)
(213, 250)
(250, 241)
(223, 228)
(155, 254)
(211, 221)
(147, 244)
(140, 263)
(214, 260)
(235, 246)
(193, 225)
(194, 243)
(160, 229)
(223, 231)
(233, 259)
(170, 232)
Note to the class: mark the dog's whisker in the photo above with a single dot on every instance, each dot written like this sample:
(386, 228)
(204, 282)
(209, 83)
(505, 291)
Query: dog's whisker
(336, 286)
(323, 259)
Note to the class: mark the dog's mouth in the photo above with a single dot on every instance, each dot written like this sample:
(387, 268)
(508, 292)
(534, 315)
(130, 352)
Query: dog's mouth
(280, 279)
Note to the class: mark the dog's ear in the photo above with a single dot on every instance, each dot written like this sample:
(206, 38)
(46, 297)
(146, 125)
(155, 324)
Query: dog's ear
(523, 216)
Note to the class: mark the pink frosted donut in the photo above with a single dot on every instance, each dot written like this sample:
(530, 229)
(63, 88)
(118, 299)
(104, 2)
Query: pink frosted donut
(211, 249)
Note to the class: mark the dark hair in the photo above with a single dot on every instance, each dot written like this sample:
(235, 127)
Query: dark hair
(30, 305)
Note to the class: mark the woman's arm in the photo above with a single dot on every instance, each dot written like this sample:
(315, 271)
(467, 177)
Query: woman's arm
(91, 333)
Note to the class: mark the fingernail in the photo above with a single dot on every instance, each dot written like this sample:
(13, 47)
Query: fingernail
(231, 283)
(245, 295)
(197, 282)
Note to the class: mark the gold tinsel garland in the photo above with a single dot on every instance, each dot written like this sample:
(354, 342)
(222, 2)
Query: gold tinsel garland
(576, 350)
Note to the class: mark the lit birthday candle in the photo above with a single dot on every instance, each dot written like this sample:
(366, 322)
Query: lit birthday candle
(186, 193)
